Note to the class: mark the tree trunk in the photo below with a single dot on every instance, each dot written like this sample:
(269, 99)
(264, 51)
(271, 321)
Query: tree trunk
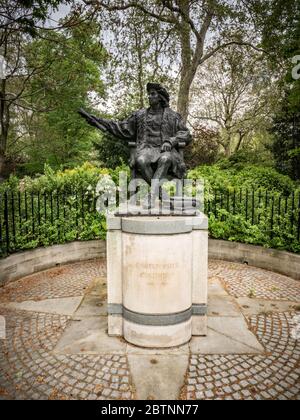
(184, 95)
(140, 69)
(186, 60)
(240, 141)
(227, 144)
(227, 151)
(190, 59)
(2, 167)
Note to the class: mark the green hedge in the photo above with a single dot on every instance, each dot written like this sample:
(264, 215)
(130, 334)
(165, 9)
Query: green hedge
(254, 205)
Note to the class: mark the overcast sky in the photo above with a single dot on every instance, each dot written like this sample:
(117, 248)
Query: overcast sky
(59, 14)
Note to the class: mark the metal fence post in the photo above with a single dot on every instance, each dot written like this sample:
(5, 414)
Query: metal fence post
(298, 233)
(6, 221)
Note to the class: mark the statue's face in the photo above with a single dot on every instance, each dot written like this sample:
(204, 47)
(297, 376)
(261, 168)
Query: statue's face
(154, 98)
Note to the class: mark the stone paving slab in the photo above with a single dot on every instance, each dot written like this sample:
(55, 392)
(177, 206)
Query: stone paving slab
(215, 286)
(172, 351)
(223, 306)
(158, 377)
(250, 306)
(91, 306)
(60, 306)
(89, 335)
(227, 335)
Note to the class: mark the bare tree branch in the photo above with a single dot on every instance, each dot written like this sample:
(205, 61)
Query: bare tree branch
(227, 44)
(187, 19)
(133, 4)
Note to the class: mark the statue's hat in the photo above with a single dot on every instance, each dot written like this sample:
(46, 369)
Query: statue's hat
(160, 89)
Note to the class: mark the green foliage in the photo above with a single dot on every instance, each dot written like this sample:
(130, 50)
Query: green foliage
(286, 145)
(61, 206)
(280, 24)
(28, 14)
(251, 176)
(80, 178)
(55, 208)
(111, 151)
(203, 149)
(234, 227)
(72, 61)
(245, 157)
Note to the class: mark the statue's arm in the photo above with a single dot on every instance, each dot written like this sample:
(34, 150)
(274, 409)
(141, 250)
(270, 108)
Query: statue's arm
(92, 120)
(125, 130)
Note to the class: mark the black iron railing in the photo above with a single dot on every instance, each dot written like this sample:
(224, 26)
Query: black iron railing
(271, 211)
(32, 219)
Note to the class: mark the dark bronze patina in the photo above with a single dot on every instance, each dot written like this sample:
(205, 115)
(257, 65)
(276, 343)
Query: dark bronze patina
(158, 135)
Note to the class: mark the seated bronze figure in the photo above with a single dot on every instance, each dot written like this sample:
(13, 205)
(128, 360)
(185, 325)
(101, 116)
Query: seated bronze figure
(156, 135)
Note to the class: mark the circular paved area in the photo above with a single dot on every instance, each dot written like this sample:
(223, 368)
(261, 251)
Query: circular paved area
(232, 377)
(29, 369)
(66, 281)
(241, 280)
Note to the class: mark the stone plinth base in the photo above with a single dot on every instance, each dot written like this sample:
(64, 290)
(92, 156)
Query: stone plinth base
(157, 278)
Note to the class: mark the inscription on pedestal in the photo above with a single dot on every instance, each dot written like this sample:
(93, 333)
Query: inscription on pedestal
(157, 266)
(161, 273)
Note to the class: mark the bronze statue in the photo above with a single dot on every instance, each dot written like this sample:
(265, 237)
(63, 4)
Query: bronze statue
(159, 134)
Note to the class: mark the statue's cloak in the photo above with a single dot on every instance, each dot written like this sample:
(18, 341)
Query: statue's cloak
(172, 130)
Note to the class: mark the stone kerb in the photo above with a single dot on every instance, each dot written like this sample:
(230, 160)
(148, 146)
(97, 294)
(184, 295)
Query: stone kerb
(29, 262)
(26, 263)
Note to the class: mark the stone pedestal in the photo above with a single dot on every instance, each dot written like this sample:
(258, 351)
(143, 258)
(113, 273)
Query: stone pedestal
(157, 278)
